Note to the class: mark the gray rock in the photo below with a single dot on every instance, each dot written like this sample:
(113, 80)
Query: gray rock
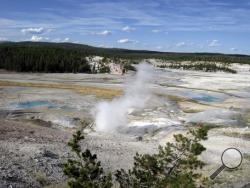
(246, 186)
(50, 154)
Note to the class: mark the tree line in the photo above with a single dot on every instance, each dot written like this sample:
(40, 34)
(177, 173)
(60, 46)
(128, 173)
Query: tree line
(201, 66)
(69, 57)
(43, 59)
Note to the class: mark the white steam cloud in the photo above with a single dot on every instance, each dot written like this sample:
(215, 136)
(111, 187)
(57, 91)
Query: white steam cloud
(113, 114)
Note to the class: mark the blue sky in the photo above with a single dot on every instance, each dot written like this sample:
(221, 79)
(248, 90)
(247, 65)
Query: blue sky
(163, 25)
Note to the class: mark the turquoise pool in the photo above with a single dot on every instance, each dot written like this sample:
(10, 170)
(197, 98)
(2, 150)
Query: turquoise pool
(203, 97)
(206, 98)
(32, 104)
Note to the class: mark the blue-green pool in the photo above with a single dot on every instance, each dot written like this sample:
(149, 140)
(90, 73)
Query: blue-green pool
(33, 104)
(206, 98)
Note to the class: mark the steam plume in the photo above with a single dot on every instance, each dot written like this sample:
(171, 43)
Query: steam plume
(113, 114)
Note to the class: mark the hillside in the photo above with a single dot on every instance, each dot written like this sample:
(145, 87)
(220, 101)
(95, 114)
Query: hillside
(70, 57)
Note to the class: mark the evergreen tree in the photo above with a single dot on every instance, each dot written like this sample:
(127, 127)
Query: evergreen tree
(175, 165)
(85, 171)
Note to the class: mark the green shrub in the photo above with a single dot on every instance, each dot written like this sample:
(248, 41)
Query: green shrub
(85, 171)
(175, 165)
(41, 178)
(104, 69)
(129, 66)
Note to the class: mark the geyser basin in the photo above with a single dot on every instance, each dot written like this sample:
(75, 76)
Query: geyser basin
(32, 104)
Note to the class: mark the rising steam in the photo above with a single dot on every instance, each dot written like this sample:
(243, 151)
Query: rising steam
(113, 114)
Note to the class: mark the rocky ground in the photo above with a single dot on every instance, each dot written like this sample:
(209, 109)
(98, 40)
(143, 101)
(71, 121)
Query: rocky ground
(33, 153)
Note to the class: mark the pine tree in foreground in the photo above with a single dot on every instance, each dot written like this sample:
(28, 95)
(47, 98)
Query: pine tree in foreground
(85, 171)
(175, 165)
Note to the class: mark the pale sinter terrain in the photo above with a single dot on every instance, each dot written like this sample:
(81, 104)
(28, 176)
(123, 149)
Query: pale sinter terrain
(39, 113)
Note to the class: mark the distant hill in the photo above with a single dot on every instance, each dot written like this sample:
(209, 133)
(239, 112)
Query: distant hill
(70, 57)
(114, 51)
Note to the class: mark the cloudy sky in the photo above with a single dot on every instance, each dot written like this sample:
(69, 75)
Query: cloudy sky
(162, 25)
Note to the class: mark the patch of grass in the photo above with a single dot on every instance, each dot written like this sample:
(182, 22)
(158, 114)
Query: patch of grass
(244, 135)
(246, 157)
(59, 185)
(208, 125)
(176, 98)
(155, 132)
(212, 125)
(84, 90)
(191, 111)
(247, 117)
(41, 178)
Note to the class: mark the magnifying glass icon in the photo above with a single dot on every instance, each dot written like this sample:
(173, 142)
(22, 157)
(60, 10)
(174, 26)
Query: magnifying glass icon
(231, 158)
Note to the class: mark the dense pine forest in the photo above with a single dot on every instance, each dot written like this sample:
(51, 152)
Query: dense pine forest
(42, 59)
(69, 57)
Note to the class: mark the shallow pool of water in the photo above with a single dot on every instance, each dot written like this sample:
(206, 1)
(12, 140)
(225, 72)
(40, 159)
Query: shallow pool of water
(206, 98)
(32, 104)
(202, 97)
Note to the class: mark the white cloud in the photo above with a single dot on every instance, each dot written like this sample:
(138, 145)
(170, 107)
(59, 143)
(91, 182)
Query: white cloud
(103, 33)
(66, 39)
(233, 49)
(181, 44)
(36, 38)
(214, 43)
(124, 41)
(128, 29)
(61, 40)
(156, 30)
(104, 46)
(33, 30)
(159, 47)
